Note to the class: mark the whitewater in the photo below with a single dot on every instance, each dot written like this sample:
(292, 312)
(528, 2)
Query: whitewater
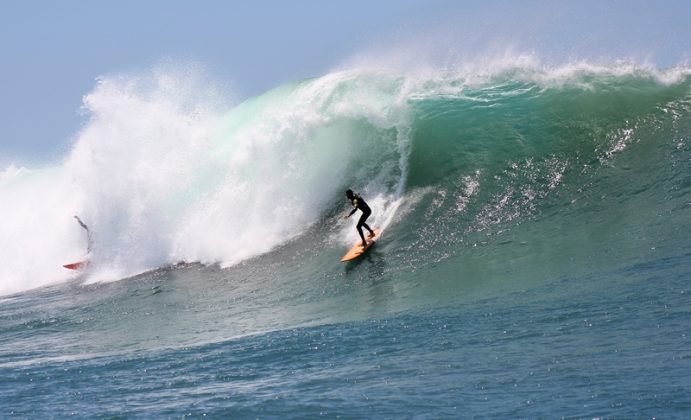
(534, 261)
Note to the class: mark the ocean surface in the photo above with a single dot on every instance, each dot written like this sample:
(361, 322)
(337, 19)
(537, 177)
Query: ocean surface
(535, 260)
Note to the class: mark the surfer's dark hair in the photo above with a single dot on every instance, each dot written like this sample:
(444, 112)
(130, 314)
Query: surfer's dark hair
(349, 193)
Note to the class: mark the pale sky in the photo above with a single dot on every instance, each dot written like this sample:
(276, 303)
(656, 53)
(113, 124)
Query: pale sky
(54, 50)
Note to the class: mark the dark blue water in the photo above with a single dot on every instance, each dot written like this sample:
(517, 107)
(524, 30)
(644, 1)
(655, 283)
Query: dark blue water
(611, 345)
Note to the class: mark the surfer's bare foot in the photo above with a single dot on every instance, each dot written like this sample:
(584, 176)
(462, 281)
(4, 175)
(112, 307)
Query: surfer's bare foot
(364, 244)
(371, 234)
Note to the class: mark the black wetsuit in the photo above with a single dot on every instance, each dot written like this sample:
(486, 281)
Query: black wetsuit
(359, 203)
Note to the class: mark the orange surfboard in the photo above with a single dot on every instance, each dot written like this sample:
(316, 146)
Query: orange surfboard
(357, 250)
(77, 265)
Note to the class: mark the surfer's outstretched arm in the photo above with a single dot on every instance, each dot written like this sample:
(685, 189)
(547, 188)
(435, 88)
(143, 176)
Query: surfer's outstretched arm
(81, 223)
(88, 233)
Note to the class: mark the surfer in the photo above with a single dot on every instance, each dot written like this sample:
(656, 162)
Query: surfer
(359, 203)
(88, 233)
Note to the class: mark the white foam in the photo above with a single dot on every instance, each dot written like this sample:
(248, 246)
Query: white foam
(38, 232)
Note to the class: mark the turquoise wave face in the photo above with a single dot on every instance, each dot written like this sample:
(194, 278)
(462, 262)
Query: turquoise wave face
(487, 126)
(583, 175)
